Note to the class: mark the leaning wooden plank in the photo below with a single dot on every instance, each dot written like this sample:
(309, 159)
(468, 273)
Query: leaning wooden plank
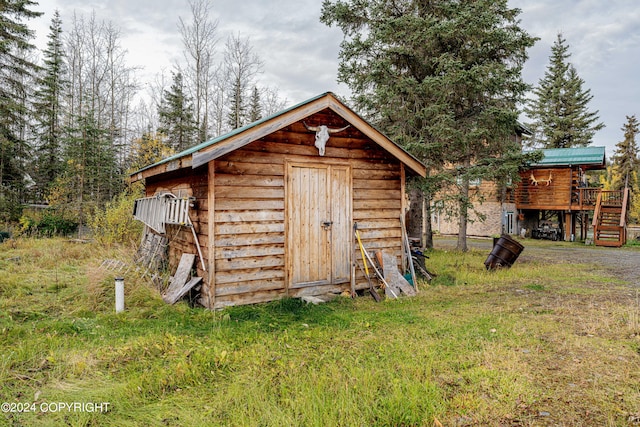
(393, 276)
(407, 248)
(182, 274)
(174, 297)
(387, 290)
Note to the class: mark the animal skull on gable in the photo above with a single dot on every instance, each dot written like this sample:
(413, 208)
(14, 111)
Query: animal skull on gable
(322, 135)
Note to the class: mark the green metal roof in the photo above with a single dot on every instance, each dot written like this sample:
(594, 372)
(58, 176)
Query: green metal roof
(226, 135)
(572, 156)
(194, 150)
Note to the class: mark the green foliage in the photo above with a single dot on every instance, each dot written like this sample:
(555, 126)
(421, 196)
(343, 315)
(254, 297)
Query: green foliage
(91, 175)
(559, 110)
(241, 67)
(148, 150)
(47, 223)
(442, 78)
(48, 106)
(115, 223)
(10, 206)
(634, 208)
(16, 70)
(626, 162)
(255, 111)
(177, 120)
(625, 167)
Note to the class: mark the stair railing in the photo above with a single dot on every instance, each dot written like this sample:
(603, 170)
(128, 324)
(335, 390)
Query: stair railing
(596, 213)
(623, 217)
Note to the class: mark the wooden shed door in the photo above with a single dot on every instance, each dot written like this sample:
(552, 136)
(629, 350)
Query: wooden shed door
(319, 224)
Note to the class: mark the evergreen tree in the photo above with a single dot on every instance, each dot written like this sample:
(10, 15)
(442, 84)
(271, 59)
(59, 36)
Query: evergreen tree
(237, 111)
(255, 109)
(559, 111)
(625, 160)
(49, 113)
(177, 121)
(442, 78)
(91, 176)
(14, 69)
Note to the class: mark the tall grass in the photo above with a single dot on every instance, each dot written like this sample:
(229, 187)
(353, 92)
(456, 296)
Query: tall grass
(537, 344)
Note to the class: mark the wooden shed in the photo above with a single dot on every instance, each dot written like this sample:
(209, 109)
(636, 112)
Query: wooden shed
(270, 212)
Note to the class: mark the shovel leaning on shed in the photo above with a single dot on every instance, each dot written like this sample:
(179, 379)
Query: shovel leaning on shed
(365, 258)
(372, 290)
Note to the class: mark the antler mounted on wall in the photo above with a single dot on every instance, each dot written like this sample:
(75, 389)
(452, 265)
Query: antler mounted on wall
(322, 135)
(537, 181)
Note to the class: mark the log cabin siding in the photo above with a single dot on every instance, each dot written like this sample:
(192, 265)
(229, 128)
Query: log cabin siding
(249, 228)
(246, 182)
(556, 195)
(250, 241)
(485, 219)
(188, 183)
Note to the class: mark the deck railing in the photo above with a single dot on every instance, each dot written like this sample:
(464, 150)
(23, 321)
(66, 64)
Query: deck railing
(587, 197)
(613, 198)
(542, 197)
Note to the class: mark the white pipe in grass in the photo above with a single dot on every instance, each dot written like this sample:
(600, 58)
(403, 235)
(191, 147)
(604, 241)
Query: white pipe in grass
(119, 294)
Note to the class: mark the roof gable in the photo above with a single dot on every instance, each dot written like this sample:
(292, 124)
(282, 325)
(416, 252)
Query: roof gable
(238, 138)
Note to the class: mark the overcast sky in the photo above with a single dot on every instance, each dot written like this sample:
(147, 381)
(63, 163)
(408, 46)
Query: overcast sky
(301, 55)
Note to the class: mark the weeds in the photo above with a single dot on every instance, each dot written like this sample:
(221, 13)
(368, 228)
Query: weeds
(537, 344)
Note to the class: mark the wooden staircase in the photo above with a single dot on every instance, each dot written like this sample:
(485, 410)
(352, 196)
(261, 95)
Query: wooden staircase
(609, 218)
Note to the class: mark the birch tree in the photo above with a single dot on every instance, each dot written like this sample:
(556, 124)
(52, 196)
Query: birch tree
(101, 89)
(242, 65)
(199, 37)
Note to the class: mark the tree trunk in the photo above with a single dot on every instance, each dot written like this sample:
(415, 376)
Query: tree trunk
(464, 213)
(427, 231)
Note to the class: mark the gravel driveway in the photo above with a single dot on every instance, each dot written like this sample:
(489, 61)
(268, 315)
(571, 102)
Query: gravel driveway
(621, 263)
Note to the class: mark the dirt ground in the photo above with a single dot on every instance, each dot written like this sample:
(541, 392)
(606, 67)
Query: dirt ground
(621, 263)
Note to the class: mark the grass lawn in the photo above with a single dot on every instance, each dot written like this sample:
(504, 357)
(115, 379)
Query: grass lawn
(538, 344)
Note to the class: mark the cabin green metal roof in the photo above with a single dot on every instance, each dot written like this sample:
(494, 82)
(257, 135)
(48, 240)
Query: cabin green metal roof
(193, 151)
(210, 142)
(572, 157)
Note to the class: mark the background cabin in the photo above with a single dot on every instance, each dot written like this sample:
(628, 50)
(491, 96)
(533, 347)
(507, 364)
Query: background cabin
(556, 201)
(268, 213)
(553, 200)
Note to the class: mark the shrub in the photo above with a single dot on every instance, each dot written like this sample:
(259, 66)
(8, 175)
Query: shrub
(53, 224)
(47, 223)
(115, 223)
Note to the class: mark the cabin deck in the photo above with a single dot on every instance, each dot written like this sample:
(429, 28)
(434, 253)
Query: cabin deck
(574, 199)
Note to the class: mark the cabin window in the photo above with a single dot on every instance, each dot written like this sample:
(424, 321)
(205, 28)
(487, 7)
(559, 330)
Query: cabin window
(473, 182)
